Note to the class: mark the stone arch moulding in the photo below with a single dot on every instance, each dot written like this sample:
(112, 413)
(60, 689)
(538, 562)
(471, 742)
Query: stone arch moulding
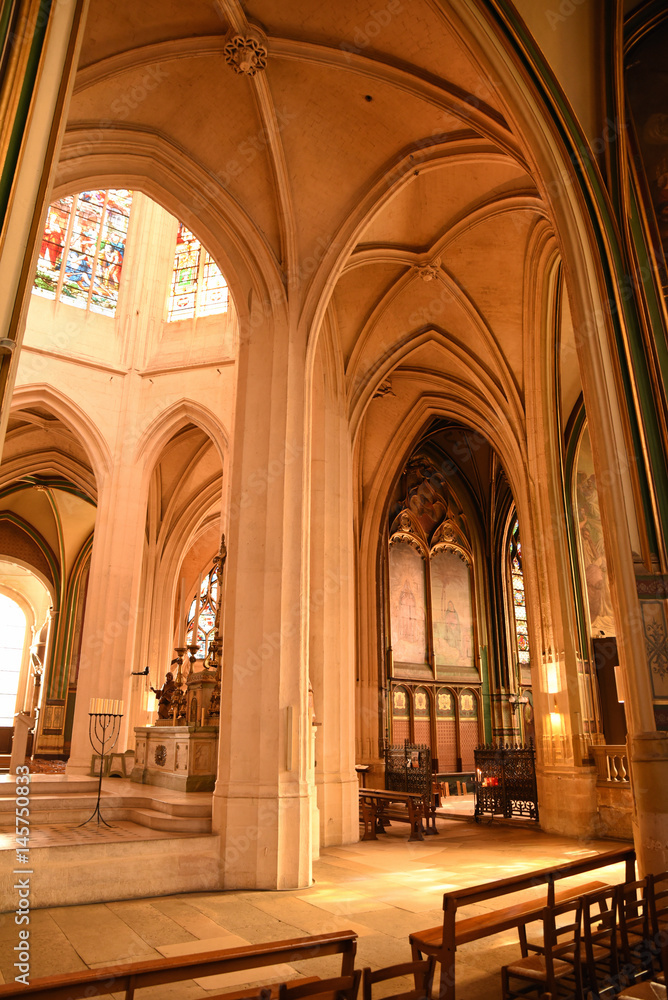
(45, 463)
(468, 409)
(380, 194)
(162, 428)
(93, 157)
(73, 417)
(32, 553)
(482, 388)
(17, 596)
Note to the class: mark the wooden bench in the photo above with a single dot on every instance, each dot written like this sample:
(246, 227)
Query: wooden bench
(156, 972)
(442, 941)
(453, 782)
(376, 808)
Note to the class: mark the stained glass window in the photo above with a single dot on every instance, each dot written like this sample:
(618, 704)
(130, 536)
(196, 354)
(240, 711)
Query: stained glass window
(519, 600)
(206, 619)
(198, 286)
(83, 244)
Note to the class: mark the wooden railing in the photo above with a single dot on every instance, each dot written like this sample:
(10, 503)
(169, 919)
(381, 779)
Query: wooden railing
(612, 764)
(125, 979)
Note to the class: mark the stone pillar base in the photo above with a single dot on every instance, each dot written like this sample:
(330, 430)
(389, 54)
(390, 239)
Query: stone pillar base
(265, 838)
(567, 801)
(338, 803)
(648, 756)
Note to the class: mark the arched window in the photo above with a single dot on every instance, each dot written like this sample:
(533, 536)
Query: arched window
(12, 641)
(519, 609)
(202, 614)
(82, 249)
(198, 286)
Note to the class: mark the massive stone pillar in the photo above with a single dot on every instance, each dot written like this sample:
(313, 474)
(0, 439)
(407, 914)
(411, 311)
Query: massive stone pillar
(40, 52)
(261, 802)
(111, 606)
(332, 618)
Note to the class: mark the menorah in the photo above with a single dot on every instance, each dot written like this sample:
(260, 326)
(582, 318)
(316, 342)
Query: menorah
(104, 725)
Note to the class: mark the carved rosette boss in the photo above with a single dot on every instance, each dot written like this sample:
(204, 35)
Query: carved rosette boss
(247, 53)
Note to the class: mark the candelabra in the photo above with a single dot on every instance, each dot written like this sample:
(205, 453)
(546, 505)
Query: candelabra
(177, 704)
(193, 647)
(104, 725)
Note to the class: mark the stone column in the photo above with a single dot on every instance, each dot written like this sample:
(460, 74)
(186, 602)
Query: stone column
(42, 50)
(111, 607)
(648, 750)
(332, 618)
(261, 805)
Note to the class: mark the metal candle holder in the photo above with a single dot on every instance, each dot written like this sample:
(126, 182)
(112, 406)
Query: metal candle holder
(103, 731)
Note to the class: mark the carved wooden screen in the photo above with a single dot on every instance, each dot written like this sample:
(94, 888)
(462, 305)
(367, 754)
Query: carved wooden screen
(468, 727)
(400, 715)
(446, 738)
(422, 716)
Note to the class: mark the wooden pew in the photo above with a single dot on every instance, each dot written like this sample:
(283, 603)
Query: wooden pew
(442, 941)
(157, 971)
(376, 807)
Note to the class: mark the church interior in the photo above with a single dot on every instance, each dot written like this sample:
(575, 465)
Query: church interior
(333, 425)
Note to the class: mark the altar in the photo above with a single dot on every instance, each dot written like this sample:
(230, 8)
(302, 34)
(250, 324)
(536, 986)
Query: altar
(183, 758)
(180, 751)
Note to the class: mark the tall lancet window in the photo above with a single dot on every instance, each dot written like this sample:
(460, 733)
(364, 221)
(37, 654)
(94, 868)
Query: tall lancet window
(83, 245)
(198, 286)
(518, 598)
(202, 614)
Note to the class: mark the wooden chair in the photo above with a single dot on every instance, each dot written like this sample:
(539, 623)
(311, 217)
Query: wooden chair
(342, 988)
(643, 991)
(599, 939)
(634, 939)
(557, 969)
(657, 893)
(423, 973)
(598, 943)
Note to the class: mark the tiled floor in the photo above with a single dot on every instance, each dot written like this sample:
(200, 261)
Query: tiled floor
(382, 889)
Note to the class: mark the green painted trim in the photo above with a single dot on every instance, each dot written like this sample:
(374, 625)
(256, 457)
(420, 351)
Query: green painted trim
(647, 277)
(47, 482)
(611, 257)
(70, 605)
(6, 17)
(579, 592)
(23, 109)
(566, 461)
(486, 699)
(41, 542)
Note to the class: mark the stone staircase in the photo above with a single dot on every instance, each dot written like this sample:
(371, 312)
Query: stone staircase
(57, 800)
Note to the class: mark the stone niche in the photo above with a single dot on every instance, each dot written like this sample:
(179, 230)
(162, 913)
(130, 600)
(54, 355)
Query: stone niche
(183, 758)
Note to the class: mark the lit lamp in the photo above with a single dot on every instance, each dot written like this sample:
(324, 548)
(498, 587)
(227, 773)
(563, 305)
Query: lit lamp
(553, 688)
(620, 685)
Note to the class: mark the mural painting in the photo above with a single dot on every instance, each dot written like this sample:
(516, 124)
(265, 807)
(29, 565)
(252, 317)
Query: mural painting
(451, 609)
(408, 614)
(591, 542)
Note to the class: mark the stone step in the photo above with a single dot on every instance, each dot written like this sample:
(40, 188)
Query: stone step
(70, 800)
(71, 812)
(78, 800)
(50, 784)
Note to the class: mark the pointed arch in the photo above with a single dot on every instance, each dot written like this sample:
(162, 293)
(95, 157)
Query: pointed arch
(156, 435)
(75, 419)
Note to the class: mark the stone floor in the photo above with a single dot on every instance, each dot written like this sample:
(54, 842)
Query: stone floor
(382, 889)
